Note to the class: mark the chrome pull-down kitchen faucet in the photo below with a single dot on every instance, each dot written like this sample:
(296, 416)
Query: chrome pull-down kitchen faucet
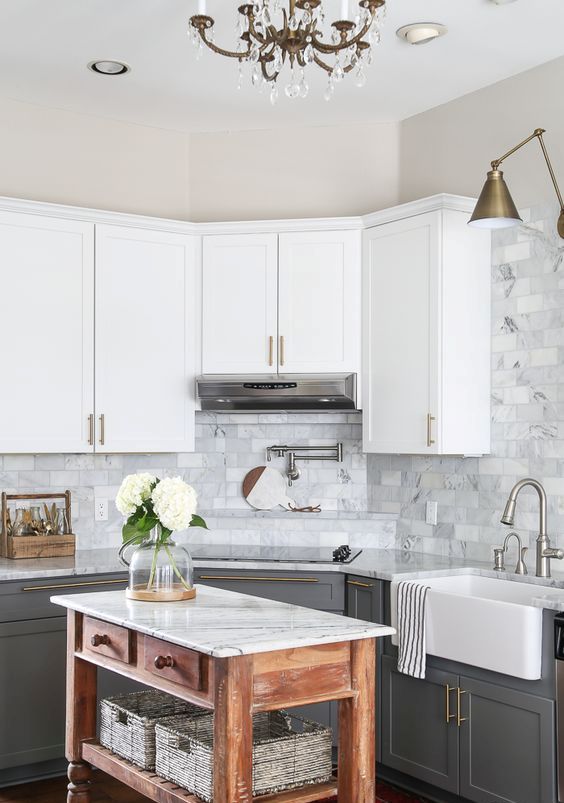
(545, 553)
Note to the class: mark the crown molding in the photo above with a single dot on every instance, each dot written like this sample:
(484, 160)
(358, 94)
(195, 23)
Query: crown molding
(457, 203)
(441, 201)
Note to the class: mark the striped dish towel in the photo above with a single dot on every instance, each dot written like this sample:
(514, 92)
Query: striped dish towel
(411, 629)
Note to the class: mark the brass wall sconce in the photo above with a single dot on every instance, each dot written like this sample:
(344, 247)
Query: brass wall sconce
(495, 208)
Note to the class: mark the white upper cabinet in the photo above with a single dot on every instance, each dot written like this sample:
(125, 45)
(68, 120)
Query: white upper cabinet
(319, 302)
(239, 317)
(426, 335)
(287, 303)
(146, 321)
(46, 331)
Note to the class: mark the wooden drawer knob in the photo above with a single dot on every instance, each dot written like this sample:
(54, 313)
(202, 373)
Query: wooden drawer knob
(163, 661)
(97, 640)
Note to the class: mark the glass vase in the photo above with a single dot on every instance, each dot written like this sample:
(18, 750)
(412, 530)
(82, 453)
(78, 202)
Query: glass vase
(159, 571)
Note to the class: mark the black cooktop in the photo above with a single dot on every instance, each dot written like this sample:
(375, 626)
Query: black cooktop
(275, 554)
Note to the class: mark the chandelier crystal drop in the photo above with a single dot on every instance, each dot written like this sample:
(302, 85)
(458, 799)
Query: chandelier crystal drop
(292, 36)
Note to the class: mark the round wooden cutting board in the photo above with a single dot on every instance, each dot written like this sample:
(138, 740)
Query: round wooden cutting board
(264, 488)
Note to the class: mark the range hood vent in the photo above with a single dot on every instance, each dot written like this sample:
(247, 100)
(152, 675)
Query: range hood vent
(277, 392)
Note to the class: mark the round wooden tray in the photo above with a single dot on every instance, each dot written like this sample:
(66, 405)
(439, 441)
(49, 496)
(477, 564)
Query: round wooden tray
(176, 595)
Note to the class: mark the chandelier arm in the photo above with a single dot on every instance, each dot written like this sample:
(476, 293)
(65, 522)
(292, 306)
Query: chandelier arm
(262, 40)
(265, 74)
(232, 54)
(321, 63)
(328, 49)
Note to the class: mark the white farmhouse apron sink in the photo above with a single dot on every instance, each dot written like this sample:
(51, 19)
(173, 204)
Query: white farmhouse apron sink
(483, 621)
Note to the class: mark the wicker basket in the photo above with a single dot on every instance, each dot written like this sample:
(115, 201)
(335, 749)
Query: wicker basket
(288, 752)
(127, 723)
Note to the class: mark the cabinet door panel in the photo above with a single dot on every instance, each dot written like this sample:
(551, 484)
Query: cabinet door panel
(506, 745)
(145, 340)
(401, 338)
(32, 691)
(416, 738)
(319, 302)
(47, 328)
(239, 304)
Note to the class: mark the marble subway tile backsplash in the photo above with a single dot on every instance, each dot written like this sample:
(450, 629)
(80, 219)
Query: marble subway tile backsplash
(527, 414)
(227, 447)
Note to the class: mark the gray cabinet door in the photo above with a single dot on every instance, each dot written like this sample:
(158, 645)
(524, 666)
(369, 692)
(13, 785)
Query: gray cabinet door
(416, 738)
(32, 691)
(506, 745)
(364, 598)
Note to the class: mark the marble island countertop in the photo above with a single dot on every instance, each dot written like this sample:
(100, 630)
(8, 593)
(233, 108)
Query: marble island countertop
(224, 623)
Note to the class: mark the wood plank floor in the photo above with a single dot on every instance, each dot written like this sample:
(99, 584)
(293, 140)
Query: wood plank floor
(108, 790)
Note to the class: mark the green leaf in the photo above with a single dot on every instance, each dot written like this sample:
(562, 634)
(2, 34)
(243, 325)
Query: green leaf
(131, 533)
(197, 521)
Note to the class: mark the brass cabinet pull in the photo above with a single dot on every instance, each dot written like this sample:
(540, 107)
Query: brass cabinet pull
(97, 640)
(430, 419)
(459, 719)
(75, 585)
(271, 350)
(282, 350)
(448, 715)
(359, 584)
(91, 429)
(164, 661)
(102, 429)
(261, 579)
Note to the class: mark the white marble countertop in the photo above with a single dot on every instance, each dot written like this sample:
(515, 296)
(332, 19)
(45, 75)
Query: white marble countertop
(224, 623)
(380, 564)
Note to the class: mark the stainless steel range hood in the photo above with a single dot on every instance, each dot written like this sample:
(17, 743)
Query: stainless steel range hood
(277, 392)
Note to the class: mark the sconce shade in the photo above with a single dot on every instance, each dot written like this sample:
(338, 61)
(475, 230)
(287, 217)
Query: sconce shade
(495, 208)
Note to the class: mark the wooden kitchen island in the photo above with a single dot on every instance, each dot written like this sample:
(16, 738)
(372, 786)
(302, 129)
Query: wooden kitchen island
(234, 654)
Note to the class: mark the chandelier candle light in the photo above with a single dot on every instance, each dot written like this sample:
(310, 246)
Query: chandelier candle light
(160, 570)
(274, 35)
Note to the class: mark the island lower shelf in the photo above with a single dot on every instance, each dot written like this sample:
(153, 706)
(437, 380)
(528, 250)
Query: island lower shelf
(158, 789)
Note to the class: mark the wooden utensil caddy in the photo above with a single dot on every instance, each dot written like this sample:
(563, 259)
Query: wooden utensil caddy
(36, 546)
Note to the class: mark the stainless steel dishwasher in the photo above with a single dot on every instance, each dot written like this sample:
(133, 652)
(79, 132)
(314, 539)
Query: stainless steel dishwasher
(559, 657)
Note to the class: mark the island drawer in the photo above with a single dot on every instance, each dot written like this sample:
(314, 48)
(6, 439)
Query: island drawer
(171, 662)
(321, 591)
(103, 638)
(30, 599)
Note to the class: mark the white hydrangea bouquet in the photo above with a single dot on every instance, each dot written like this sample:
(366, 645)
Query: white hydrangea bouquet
(159, 569)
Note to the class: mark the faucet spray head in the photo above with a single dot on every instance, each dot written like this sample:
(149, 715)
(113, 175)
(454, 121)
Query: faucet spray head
(509, 512)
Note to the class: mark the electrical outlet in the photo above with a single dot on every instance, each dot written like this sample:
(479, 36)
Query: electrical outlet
(101, 510)
(431, 511)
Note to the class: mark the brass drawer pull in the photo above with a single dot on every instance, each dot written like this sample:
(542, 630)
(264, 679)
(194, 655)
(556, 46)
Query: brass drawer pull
(75, 585)
(261, 579)
(359, 584)
(91, 429)
(164, 661)
(98, 640)
(448, 715)
(459, 719)
(271, 350)
(430, 419)
(102, 429)
(282, 350)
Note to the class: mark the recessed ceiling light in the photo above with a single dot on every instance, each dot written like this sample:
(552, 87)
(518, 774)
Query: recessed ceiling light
(109, 67)
(419, 33)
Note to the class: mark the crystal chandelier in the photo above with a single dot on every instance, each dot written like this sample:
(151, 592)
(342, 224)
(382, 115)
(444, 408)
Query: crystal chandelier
(274, 36)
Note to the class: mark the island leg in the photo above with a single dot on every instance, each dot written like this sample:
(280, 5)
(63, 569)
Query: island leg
(233, 730)
(357, 728)
(81, 712)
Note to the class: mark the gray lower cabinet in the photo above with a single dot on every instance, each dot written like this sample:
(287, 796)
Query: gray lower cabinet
(33, 672)
(32, 691)
(365, 600)
(499, 748)
(415, 737)
(320, 591)
(506, 745)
